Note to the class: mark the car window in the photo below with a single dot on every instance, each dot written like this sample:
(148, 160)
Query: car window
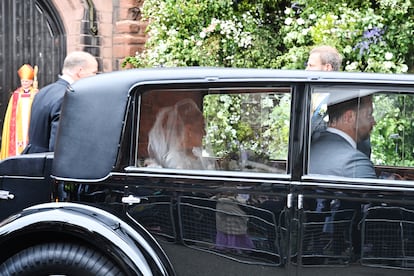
(393, 135)
(388, 131)
(229, 129)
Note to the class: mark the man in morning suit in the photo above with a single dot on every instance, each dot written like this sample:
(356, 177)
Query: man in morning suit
(45, 112)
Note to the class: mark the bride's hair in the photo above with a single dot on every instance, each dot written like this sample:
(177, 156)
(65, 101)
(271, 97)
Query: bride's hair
(166, 145)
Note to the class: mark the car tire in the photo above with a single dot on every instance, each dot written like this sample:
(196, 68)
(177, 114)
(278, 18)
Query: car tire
(59, 259)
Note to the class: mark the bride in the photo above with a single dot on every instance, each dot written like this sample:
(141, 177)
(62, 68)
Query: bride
(176, 138)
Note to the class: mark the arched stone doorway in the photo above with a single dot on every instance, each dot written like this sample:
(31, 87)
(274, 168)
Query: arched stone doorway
(31, 31)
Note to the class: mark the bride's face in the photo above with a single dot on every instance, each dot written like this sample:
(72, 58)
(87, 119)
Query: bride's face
(194, 133)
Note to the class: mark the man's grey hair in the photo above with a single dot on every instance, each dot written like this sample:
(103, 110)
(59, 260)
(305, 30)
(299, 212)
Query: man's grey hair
(77, 58)
(329, 55)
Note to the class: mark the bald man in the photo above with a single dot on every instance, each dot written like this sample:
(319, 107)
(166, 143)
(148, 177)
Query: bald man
(45, 113)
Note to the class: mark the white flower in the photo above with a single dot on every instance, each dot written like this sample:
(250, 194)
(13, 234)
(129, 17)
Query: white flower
(290, 36)
(388, 64)
(312, 16)
(245, 40)
(202, 34)
(267, 102)
(162, 47)
(300, 21)
(351, 67)
(388, 56)
(404, 68)
(288, 10)
(347, 49)
(288, 21)
(172, 32)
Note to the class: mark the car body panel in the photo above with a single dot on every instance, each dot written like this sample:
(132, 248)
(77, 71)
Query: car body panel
(177, 215)
(22, 176)
(137, 252)
(96, 154)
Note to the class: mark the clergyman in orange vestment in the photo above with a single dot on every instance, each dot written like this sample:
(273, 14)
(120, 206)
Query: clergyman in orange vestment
(16, 121)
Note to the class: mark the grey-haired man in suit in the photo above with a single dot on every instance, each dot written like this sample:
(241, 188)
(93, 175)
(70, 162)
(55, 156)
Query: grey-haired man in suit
(45, 113)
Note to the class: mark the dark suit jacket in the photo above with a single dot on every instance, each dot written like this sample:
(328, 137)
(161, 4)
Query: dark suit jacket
(319, 125)
(331, 154)
(44, 118)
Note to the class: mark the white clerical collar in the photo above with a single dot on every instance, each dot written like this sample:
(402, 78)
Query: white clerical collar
(67, 78)
(343, 135)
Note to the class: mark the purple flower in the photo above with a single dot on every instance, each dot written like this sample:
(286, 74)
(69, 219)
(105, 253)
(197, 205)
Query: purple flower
(363, 46)
(373, 34)
(368, 37)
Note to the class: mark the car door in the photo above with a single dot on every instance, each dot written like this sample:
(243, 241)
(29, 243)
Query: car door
(359, 225)
(226, 211)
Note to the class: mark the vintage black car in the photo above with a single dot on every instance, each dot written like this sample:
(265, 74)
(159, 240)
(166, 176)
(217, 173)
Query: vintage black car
(102, 205)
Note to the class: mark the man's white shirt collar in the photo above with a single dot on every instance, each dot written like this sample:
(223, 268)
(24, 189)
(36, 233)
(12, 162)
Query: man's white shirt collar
(343, 135)
(67, 78)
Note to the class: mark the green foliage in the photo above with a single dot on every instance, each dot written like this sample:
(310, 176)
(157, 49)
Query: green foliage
(209, 33)
(259, 123)
(372, 36)
(276, 134)
(222, 116)
(393, 135)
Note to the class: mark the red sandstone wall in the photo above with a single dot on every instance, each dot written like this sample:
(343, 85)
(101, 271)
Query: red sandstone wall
(120, 29)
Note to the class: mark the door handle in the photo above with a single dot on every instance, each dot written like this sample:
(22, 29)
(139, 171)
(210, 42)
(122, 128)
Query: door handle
(300, 201)
(289, 201)
(131, 199)
(6, 195)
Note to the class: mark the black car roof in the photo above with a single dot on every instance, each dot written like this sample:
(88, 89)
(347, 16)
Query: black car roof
(94, 108)
(131, 76)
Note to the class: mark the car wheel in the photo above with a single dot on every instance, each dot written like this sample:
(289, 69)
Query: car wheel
(59, 259)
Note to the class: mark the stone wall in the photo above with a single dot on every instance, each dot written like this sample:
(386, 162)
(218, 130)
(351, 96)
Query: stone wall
(109, 29)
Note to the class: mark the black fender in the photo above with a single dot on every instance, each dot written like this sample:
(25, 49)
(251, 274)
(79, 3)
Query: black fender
(133, 250)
